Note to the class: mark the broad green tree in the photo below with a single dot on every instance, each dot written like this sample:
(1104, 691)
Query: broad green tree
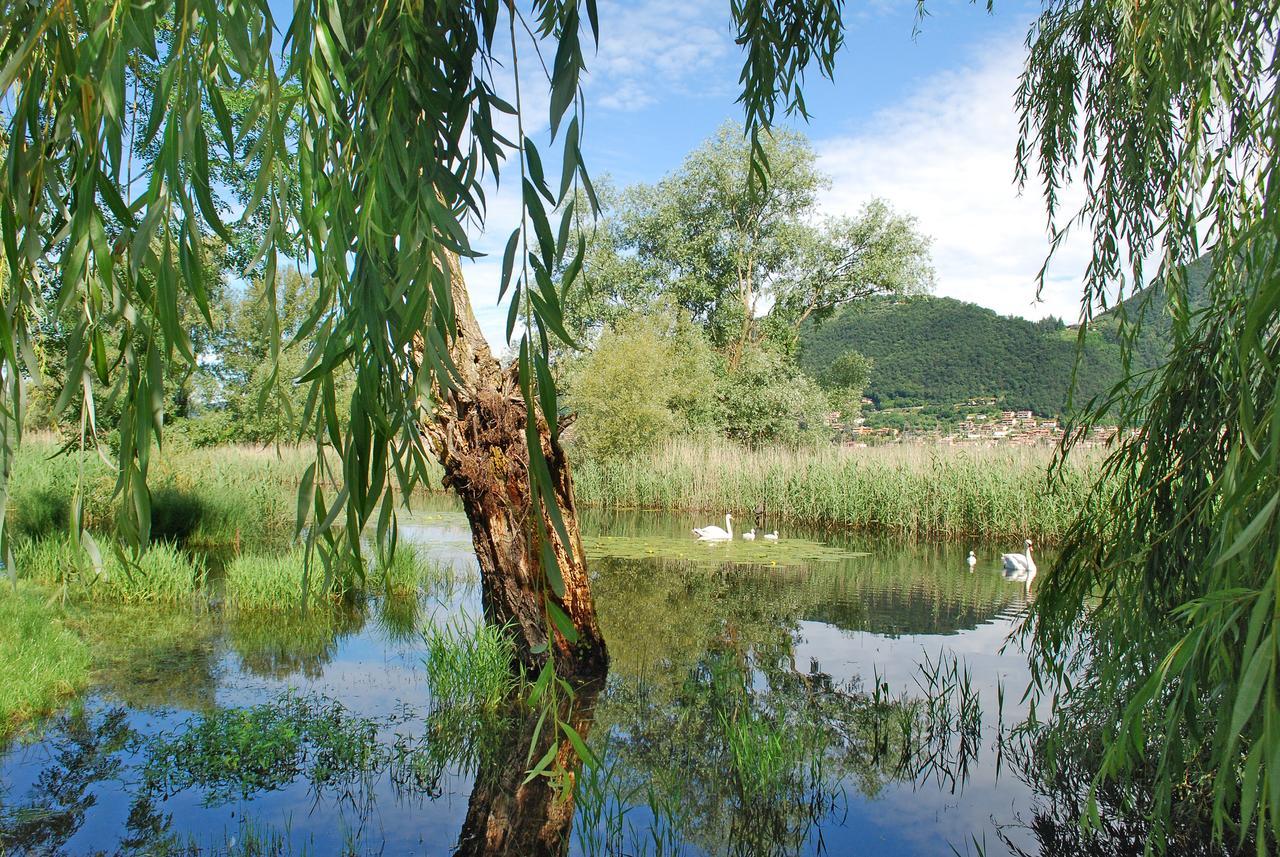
(750, 264)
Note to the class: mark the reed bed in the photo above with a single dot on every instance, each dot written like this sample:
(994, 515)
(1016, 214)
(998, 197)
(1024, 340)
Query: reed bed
(41, 662)
(276, 583)
(227, 496)
(905, 490)
(162, 574)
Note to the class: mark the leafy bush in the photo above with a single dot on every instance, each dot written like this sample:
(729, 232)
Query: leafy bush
(769, 400)
(647, 377)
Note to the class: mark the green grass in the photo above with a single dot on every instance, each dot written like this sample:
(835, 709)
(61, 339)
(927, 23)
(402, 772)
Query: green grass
(469, 664)
(915, 491)
(163, 574)
(258, 582)
(41, 662)
(233, 495)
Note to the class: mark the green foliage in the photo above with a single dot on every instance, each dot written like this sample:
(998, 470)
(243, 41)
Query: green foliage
(913, 491)
(1166, 113)
(749, 265)
(233, 495)
(469, 665)
(162, 574)
(41, 662)
(649, 376)
(767, 400)
(943, 351)
(236, 752)
(285, 582)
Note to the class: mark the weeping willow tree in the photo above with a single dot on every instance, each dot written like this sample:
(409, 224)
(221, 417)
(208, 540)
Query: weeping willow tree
(1159, 627)
(365, 141)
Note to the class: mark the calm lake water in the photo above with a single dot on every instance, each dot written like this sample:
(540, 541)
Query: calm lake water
(745, 712)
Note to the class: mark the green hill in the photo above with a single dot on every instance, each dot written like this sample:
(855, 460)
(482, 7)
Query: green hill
(940, 351)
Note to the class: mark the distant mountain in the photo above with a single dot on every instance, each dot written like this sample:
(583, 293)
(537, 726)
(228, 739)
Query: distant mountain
(940, 351)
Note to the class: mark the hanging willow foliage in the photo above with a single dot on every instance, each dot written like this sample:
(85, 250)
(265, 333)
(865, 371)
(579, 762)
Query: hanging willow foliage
(1167, 113)
(363, 143)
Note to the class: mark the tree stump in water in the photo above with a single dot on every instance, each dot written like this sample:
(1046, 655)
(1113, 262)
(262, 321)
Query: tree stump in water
(478, 434)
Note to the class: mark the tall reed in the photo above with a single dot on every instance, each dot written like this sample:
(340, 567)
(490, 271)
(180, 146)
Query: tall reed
(907, 490)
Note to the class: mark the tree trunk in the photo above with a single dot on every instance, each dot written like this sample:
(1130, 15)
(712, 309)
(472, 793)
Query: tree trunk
(478, 434)
(507, 817)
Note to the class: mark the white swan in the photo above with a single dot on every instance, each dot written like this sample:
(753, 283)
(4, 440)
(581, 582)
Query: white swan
(1020, 563)
(749, 537)
(715, 534)
(972, 560)
(773, 537)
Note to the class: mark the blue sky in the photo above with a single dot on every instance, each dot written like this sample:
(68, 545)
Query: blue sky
(925, 122)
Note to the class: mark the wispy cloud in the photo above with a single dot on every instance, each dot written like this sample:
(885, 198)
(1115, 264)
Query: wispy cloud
(946, 155)
(655, 48)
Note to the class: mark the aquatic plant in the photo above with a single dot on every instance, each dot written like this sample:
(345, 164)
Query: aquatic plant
(41, 662)
(235, 752)
(283, 582)
(163, 573)
(907, 490)
(469, 664)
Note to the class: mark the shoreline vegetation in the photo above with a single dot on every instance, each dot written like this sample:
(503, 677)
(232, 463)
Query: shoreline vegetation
(222, 528)
(902, 490)
(232, 496)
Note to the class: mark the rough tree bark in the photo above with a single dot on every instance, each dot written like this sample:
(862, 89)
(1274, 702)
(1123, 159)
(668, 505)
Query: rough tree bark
(478, 434)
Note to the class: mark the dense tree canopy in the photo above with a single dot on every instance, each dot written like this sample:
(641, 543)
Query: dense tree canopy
(751, 267)
(940, 351)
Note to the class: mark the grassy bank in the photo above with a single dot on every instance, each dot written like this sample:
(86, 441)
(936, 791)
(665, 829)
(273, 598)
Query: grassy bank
(41, 662)
(228, 496)
(907, 490)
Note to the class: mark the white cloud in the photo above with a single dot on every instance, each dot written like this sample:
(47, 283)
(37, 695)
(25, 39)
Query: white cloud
(651, 49)
(946, 156)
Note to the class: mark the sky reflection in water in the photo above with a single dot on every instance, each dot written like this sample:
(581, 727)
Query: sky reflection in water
(716, 649)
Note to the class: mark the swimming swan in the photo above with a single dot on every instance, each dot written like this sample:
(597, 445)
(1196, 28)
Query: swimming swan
(1020, 562)
(715, 534)
(973, 559)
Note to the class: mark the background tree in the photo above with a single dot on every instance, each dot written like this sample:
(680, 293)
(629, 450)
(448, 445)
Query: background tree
(750, 265)
(650, 375)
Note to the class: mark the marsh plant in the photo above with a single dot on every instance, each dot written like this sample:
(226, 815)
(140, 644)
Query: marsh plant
(469, 664)
(163, 573)
(904, 490)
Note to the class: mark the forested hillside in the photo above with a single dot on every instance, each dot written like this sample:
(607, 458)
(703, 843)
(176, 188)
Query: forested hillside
(941, 351)
(931, 350)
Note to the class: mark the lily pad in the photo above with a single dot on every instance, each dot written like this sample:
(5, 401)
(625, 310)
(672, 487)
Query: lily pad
(783, 552)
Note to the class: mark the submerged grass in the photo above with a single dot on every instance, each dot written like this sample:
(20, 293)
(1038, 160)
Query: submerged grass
(908, 490)
(41, 662)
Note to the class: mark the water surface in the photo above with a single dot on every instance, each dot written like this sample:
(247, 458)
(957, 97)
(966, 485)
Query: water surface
(745, 712)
